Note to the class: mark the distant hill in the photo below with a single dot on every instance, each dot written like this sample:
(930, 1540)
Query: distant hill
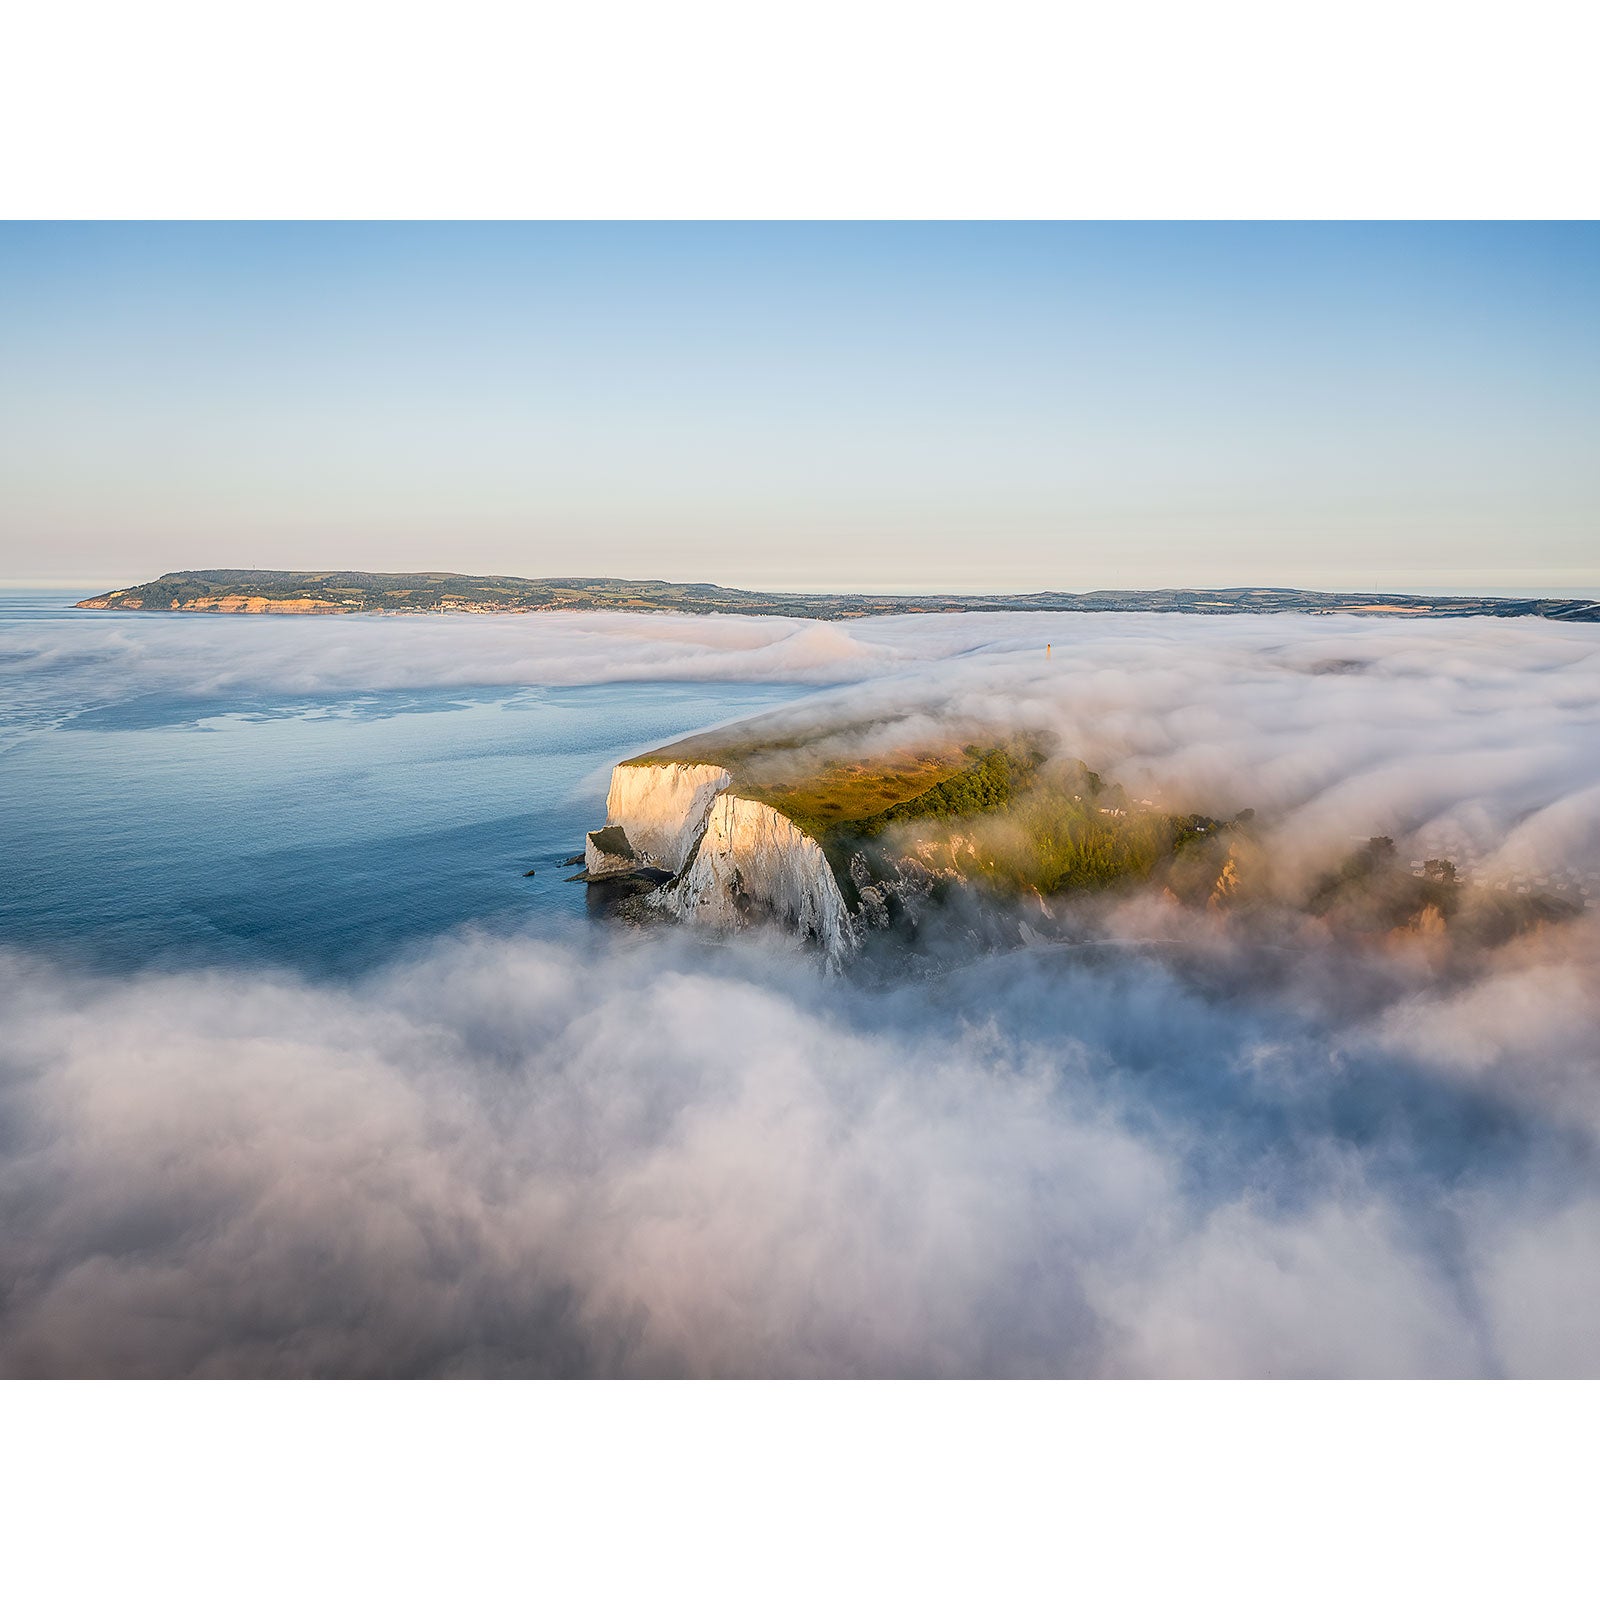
(334, 593)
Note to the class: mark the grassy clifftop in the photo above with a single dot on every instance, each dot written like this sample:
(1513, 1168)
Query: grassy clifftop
(1013, 816)
(846, 775)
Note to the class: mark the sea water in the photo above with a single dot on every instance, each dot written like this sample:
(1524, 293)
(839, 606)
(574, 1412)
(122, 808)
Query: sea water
(324, 833)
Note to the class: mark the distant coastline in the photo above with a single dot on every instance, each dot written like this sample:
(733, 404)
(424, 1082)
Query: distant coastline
(254, 591)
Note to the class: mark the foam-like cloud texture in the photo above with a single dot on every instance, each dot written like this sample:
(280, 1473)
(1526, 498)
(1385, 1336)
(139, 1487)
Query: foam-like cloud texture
(1171, 1151)
(636, 1156)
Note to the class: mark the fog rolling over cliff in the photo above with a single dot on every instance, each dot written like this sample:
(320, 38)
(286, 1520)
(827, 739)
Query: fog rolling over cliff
(1186, 1136)
(955, 794)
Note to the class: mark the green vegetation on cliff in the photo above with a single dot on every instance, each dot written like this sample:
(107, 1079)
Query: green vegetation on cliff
(1019, 821)
(896, 817)
(989, 783)
(1008, 816)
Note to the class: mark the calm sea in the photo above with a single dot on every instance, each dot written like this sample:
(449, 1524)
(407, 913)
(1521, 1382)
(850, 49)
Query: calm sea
(323, 834)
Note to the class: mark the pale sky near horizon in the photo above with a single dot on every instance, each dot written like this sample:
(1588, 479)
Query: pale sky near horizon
(984, 407)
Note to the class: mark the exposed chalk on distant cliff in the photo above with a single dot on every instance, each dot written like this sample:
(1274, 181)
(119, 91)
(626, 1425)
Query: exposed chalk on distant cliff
(755, 865)
(663, 809)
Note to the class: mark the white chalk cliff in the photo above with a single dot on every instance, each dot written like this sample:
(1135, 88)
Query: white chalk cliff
(754, 864)
(662, 810)
(736, 862)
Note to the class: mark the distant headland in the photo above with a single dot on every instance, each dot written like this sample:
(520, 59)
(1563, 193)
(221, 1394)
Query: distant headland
(254, 590)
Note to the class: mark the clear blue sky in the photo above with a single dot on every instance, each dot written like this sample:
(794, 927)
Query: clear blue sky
(970, 407)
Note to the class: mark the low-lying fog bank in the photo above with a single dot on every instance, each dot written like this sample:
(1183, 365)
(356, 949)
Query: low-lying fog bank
(641, 1154)
(1484, 728)
(1189, 1141)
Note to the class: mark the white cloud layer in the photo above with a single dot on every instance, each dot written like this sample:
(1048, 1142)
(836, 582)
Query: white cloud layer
(631, 1154)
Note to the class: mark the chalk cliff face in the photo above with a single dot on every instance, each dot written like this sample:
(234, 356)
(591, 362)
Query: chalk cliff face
(755, 865)
(662, 810)
(735, 862)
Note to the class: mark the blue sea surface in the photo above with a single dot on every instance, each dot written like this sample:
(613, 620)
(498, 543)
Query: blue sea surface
(323, 833)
